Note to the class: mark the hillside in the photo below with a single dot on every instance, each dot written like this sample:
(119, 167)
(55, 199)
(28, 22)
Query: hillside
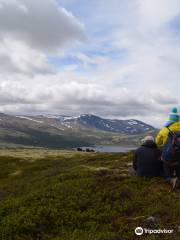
(130, 126)
(67, 132)
(59, 195)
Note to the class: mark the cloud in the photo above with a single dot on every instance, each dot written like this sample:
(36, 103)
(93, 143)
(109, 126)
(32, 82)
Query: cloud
(74, 98)
(17, 57)
(157, 13)
(41, 24)
(30, 31)
(128, 68)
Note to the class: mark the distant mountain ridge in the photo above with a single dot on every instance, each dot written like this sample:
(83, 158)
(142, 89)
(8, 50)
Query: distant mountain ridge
(130, 126)
(60, 131)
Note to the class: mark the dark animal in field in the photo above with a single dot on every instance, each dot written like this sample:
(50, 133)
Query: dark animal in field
(89, 150)
(79, 149)
(84, 150)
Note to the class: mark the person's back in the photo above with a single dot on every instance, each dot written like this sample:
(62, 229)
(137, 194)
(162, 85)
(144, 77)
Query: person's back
(147, 160)
(163, 134)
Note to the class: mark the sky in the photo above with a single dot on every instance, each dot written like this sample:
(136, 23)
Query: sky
(116, 59)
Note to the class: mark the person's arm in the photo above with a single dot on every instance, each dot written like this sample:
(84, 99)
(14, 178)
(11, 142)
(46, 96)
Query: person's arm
(159, 138)
(162, 137)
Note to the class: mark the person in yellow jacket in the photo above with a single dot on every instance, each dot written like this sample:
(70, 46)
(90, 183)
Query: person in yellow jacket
(174, 125)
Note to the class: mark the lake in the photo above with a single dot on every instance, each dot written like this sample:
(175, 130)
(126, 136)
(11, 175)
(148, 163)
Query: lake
(110, 149)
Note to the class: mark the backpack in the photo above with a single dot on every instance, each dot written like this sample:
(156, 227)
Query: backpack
(171, 149)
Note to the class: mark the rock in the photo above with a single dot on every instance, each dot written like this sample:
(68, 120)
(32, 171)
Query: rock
(151, 220)
(129, 164)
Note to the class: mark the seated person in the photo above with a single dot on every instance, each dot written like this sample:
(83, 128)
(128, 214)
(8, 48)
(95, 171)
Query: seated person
(146, 160)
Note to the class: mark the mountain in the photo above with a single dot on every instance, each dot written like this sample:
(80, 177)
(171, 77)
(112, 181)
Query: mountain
(119, 126)
(59, 131)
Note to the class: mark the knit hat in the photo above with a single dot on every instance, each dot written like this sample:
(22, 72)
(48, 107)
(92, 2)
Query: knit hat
(174, 116)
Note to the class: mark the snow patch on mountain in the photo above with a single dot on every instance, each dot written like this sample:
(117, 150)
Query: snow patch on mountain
(132, 122)
(28, 118)
(130, 126)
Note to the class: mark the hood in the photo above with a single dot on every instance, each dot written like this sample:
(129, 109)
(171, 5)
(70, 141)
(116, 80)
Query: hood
(170, 123)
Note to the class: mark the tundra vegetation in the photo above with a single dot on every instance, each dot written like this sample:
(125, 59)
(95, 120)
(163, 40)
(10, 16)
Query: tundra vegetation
(66, 195)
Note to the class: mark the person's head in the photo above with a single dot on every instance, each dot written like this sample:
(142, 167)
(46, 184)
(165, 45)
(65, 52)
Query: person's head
(148, 138)
(174, 116)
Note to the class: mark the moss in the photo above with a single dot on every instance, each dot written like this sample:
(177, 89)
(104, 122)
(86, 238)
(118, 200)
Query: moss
(73, 196)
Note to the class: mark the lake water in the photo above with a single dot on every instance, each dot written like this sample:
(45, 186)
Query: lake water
(110, 149)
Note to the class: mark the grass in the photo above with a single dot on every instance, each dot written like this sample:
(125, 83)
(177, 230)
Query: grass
(61, 195)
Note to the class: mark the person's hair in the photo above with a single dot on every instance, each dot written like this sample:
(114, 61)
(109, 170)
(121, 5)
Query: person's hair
(148, 138)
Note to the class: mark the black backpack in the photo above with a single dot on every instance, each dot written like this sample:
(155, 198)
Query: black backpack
(171, 149)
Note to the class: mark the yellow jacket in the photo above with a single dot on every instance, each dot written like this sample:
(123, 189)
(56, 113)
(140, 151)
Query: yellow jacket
(162, 135)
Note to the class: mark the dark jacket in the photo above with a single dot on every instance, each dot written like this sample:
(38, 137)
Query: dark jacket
(146, 160)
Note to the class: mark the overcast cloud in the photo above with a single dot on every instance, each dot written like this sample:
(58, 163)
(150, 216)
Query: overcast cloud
(114, 58)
